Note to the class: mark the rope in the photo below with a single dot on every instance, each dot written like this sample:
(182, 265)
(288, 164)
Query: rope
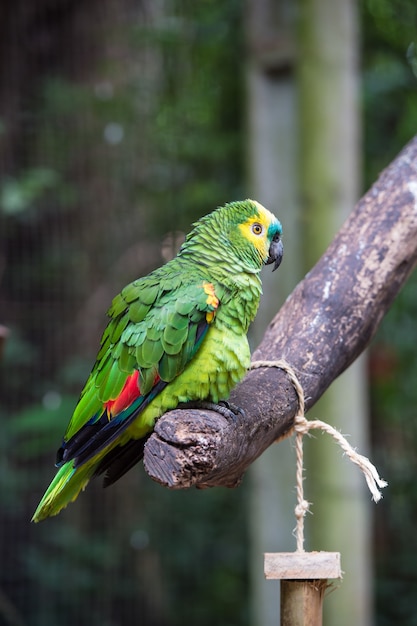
(301, 427)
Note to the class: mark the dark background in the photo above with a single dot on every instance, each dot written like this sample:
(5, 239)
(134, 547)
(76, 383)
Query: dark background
(120, 124)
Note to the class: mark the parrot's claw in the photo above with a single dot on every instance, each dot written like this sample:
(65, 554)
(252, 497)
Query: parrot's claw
(227, 409)
(231, 408)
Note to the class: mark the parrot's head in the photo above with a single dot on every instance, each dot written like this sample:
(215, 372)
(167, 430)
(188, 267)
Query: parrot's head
(259, 234)
(241, 233)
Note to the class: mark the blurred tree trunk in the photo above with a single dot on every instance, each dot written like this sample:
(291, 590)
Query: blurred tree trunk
(272, 132)
(328, 132)
(329, 166)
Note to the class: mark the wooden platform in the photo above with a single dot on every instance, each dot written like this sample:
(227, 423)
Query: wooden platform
(302, 565)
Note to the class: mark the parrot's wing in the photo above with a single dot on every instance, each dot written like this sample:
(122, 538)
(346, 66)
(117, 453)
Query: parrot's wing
(145, 346)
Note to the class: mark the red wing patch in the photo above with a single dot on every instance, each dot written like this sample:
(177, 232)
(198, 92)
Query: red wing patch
(128, 394)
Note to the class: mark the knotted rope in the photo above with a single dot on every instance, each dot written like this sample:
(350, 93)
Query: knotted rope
(301, 427)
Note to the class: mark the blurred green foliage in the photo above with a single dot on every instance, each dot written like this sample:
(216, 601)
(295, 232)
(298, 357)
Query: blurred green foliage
(107, 161)
(390, 120)
(389, 40)
(20, 195)
(394, 433)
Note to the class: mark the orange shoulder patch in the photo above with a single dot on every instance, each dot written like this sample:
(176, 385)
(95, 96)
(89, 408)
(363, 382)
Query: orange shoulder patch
(212, 301)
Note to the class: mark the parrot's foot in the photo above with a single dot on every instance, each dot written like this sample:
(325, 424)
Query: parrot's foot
(227, 409)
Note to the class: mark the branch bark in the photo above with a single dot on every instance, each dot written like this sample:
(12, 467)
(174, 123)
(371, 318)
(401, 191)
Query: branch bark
(324, 325)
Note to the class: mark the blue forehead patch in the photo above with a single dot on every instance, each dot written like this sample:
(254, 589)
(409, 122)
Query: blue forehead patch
(274, 228)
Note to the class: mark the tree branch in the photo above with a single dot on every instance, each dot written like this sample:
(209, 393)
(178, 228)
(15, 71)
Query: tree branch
(322, 328)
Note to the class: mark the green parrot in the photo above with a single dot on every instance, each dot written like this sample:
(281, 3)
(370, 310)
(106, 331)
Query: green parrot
(175, 336)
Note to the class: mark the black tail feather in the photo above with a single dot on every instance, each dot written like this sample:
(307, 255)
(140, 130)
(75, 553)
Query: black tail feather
(83, 437)
(120, 460)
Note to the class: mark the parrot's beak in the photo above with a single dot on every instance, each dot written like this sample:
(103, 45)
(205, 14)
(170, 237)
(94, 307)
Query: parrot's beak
(276, 251)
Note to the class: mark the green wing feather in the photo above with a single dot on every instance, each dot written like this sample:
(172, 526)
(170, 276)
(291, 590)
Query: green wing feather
(159, 343)
(153, 330)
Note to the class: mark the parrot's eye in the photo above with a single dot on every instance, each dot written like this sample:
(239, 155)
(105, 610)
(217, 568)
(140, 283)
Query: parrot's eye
(257, 229)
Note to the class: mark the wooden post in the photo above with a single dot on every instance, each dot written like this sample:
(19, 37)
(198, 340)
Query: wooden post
(302, 602)
(303, 578)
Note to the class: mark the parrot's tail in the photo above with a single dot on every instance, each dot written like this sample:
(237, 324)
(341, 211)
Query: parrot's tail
(64, 488)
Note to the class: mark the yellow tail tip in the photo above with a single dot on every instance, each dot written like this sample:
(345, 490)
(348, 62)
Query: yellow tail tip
(64, 488)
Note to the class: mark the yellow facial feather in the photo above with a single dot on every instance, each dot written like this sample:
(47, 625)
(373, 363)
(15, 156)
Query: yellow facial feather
(264, 218)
